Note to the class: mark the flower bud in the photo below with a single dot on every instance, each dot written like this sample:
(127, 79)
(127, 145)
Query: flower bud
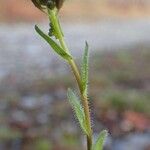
(51, 4)
(59, 3)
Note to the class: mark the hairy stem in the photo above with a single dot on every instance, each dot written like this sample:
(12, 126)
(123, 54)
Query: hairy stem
(75, 70)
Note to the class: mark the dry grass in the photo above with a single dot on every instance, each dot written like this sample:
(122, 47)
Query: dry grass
(103, 9)
(75, 10)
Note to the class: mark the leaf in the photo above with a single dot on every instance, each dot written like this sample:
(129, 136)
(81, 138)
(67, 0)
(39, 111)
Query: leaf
(77, 107)
(84, 69)
(53, 44)
(100, 141)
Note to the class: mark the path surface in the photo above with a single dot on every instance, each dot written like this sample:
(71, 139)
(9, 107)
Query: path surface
(22, 49)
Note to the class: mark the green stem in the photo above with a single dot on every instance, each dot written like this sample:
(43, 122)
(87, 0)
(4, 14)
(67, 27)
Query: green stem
(54, 20)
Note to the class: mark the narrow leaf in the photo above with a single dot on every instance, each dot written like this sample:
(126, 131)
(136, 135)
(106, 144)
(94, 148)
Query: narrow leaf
(84, 69)
(77, 107)
(53, 44)
(100, 141)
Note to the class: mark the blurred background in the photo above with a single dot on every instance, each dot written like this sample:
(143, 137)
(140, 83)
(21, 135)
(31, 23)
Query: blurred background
(34, 111)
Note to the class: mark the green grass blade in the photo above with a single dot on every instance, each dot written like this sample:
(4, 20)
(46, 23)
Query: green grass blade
(84, 69)
(78, 109)
(53, 44)
(100, 141)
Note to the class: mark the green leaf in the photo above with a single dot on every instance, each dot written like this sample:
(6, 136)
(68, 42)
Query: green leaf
(78, 109)
(53, 44)
(100, 141)
(84, 69)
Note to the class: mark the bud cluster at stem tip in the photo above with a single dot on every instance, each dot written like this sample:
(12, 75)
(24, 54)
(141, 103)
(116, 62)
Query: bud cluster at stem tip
(51, 4)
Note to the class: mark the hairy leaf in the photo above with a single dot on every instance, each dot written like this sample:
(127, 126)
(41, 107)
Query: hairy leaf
(77, 107)
(100, 141)
(84, 69)
(53, 44)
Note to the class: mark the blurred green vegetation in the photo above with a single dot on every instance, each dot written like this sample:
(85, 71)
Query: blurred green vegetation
(119, 82)
(7, 133)
(43, 144)
(121, 79)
